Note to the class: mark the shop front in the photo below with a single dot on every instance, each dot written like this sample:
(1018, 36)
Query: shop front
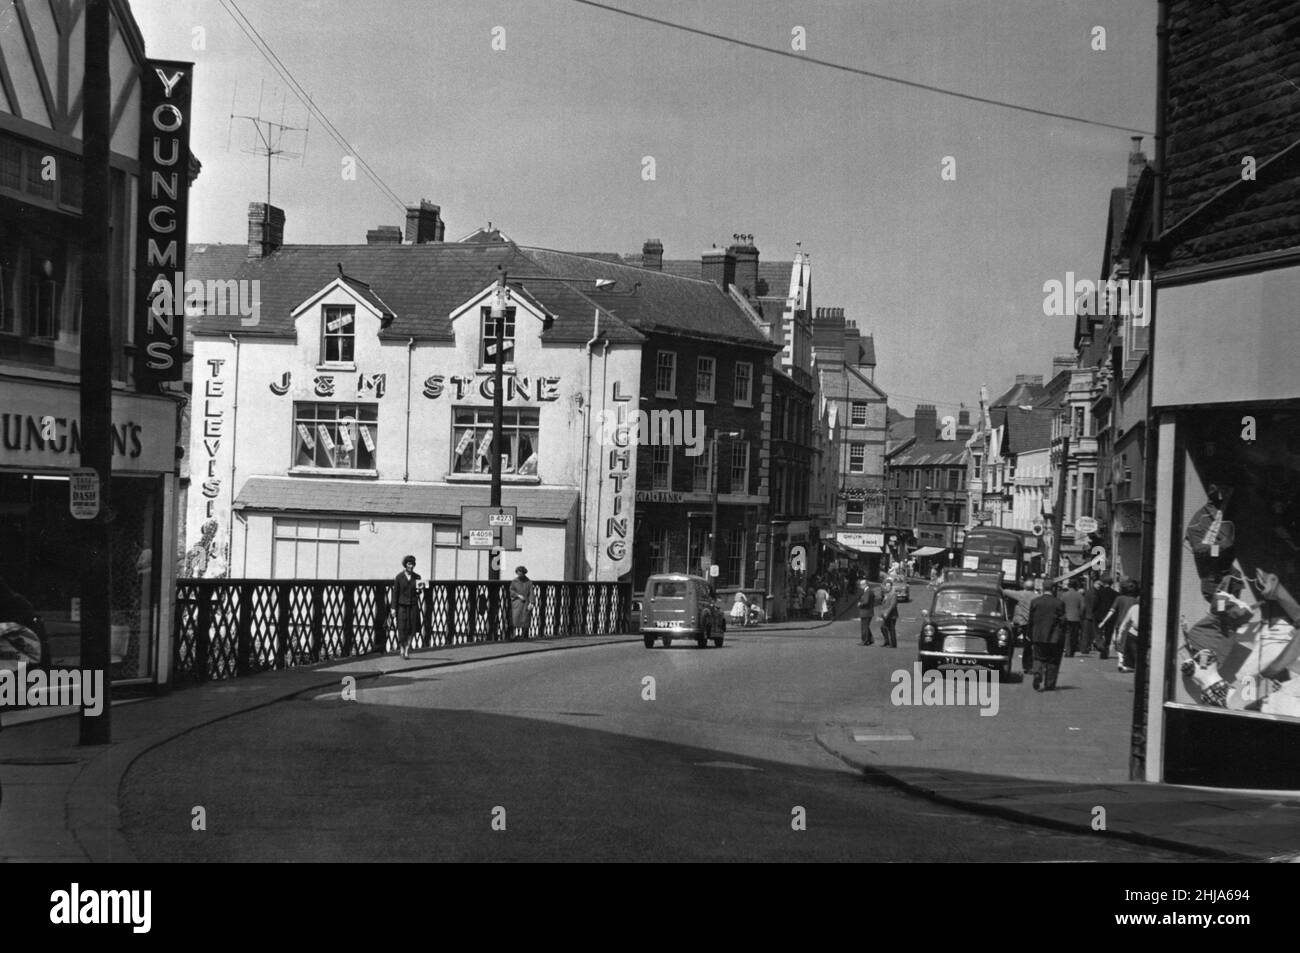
(1224, 683)
(42, 550)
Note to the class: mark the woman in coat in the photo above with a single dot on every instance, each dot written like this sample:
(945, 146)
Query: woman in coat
(889, 614)
(521, 603)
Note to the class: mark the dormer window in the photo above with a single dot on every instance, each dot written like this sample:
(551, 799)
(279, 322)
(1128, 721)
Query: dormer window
(338, 334)
(488, 346)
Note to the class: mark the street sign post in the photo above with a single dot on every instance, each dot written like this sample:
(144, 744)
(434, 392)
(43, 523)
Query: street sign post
(489, 527)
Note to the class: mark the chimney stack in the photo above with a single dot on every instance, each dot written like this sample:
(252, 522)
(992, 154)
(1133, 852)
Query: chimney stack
(927, 423)
(963, 418)
(652, 254)
(746, 255)
(423, 223)
(265, 229)
(719, 267)
(1062, 362)
(384, 235)
(1036, 380)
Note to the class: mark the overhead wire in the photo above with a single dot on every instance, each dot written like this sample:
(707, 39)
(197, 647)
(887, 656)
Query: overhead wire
(268, 53)
(828, 64)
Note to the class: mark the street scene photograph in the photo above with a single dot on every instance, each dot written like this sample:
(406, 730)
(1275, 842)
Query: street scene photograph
(559, 431)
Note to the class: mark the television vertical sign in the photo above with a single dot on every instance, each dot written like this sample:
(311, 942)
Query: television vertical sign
(162, 218)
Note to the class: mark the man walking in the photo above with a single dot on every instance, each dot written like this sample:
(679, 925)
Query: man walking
(1023, 599)
(1102, 603)
(889, 614)
(866, 609)
(1047, 634)
(1072, 599)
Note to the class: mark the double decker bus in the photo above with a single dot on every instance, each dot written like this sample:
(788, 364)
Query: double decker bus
(997, 550)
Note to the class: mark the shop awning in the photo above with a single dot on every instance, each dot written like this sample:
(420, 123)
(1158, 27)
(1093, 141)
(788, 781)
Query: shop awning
(837, 547)
(374, 499)
(926, 551)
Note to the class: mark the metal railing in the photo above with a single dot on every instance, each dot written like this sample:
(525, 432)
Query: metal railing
(231, 627)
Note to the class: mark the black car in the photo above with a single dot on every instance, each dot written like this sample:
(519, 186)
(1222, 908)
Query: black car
(967, 625)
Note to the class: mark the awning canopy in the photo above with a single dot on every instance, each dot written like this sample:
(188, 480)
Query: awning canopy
(927, 551)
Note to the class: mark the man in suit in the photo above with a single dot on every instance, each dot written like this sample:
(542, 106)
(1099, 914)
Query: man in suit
(1047, 635)
(408, 604)
(1072, 599)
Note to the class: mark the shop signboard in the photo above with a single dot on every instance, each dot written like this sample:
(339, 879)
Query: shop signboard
(488, 527)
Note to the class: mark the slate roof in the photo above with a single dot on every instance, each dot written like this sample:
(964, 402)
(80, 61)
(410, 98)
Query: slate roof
(933, 454)
(419, 284)
(1021, 393)
(655, 302)
(540, 504)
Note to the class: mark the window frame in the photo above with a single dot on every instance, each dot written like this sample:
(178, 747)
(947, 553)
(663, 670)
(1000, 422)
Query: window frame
(854, 407)
(659, 466)
(315, 422)
(516, 423)
(858, 447)
(489, 337)
(712, 395)
(748, 399)
(861, 512)
(671, 367)
(326, 336)
(743, 446)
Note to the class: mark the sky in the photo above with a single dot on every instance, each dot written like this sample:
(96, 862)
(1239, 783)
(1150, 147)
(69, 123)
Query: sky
(547, 139)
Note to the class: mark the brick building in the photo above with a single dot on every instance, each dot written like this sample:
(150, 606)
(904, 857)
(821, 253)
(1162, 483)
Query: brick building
(925, 476)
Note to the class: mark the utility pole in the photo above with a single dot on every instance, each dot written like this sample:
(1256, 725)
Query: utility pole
(96, 411)
(498, 313)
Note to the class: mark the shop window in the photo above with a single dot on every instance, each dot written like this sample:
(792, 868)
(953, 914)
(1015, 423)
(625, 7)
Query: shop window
(705, 378)
(472, 440)
(1236, 583)
(488, 347)
(744, 384)
(335, 436)
(858, 414)
(855, 513)
(43, 299)
(740, 466)
(338, 334)
(316, 549)
(954, 479)
(661, 467)
(857, 458)
(665, 374)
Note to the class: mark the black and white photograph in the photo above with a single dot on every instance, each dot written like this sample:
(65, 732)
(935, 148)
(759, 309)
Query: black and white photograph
(652, 431)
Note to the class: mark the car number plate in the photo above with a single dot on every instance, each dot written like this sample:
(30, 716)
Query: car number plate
(959, 660)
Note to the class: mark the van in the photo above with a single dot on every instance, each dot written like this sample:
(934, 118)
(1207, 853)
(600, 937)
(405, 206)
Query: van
(678, 606)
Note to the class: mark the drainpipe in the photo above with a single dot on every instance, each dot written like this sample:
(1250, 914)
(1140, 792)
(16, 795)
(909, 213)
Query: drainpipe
(406, 471)
(234, 420)
(586, 448)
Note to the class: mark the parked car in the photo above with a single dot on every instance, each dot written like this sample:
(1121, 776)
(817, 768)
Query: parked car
(967, 625)
(676, 605)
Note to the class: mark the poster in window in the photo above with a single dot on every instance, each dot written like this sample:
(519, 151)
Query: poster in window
(1238, 634)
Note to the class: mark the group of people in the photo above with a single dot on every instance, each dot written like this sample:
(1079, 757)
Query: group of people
(818, 598)
(1073, 618)
(406, 597)
(887, 604)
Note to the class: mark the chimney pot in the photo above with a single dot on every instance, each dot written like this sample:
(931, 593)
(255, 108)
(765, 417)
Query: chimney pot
(652, 255)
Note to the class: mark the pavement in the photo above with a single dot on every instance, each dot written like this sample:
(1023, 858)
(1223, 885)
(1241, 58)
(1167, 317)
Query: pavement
(1047, 759)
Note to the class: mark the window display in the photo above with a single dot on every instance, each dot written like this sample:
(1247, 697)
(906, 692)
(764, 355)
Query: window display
(472, 441)
(1239, 620)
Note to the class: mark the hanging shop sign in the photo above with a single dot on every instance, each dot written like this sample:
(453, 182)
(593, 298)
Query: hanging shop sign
(162, 219)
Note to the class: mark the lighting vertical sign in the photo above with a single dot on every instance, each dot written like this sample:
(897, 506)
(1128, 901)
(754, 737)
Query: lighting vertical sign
(162, 219)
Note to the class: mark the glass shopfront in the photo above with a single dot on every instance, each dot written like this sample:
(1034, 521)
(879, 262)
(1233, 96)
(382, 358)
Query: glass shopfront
(42, 552)
(1238, 592)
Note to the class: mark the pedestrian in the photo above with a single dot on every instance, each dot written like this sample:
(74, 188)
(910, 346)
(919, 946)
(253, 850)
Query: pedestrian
(1103, 600)
(820, 599)
(866, 609)
(1022, 598)
(798, 600)
(740, 608)
(1119, 611)
(1089, 615)
(889, 614)
(408, 605)
(521, 603)
(1047, 634)
(1072, 599)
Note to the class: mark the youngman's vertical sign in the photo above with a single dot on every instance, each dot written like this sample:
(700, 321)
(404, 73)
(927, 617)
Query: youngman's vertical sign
(161, 221)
